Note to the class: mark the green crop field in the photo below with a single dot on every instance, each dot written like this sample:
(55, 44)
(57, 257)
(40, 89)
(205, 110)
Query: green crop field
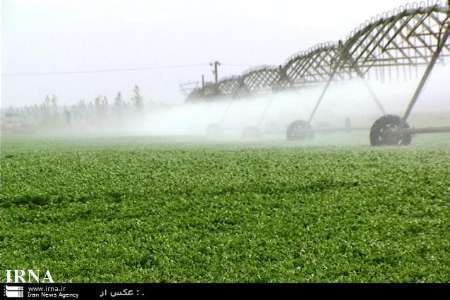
(142, 210)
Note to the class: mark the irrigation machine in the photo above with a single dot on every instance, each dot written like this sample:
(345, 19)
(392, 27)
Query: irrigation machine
(392, 45)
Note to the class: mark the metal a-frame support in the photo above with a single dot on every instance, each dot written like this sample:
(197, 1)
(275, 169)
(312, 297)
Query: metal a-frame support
(428, 70)
(394, 130)
(344, 57)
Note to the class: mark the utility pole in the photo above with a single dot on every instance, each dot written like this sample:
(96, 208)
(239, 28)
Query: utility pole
(216, 65)
(203, 81)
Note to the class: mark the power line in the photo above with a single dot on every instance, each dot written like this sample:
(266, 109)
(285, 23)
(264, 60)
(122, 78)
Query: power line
(111, 70)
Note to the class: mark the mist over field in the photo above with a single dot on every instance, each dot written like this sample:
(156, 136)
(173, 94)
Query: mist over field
(114, 50)
(101, 52)
(343, 100)
(272, 113)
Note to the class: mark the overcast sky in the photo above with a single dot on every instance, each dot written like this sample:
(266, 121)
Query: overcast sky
(179, 36)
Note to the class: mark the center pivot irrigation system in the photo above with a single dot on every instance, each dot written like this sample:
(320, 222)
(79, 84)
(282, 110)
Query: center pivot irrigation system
(395, 44)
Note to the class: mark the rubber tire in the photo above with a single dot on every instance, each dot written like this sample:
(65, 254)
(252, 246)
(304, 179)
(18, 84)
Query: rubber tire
(299, 130)
(378, 138)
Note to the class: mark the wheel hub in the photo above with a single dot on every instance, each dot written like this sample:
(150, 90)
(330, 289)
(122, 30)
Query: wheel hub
(390, 130)
(299, 130)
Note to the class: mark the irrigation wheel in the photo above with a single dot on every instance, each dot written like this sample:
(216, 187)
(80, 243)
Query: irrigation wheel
(389, 131)
(299, 130)
(251, 132)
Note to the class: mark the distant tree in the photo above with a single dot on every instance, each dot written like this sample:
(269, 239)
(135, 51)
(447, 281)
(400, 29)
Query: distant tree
(105, 104)
(45, 107)
(101, 106)
(54, 101)
(54, 105)
(36, 108)
(67, 115)
(82, 105)
(98, 104)
(119, 104)
(47, 101)
(137, 99)
(118, 101)
(91, 107)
